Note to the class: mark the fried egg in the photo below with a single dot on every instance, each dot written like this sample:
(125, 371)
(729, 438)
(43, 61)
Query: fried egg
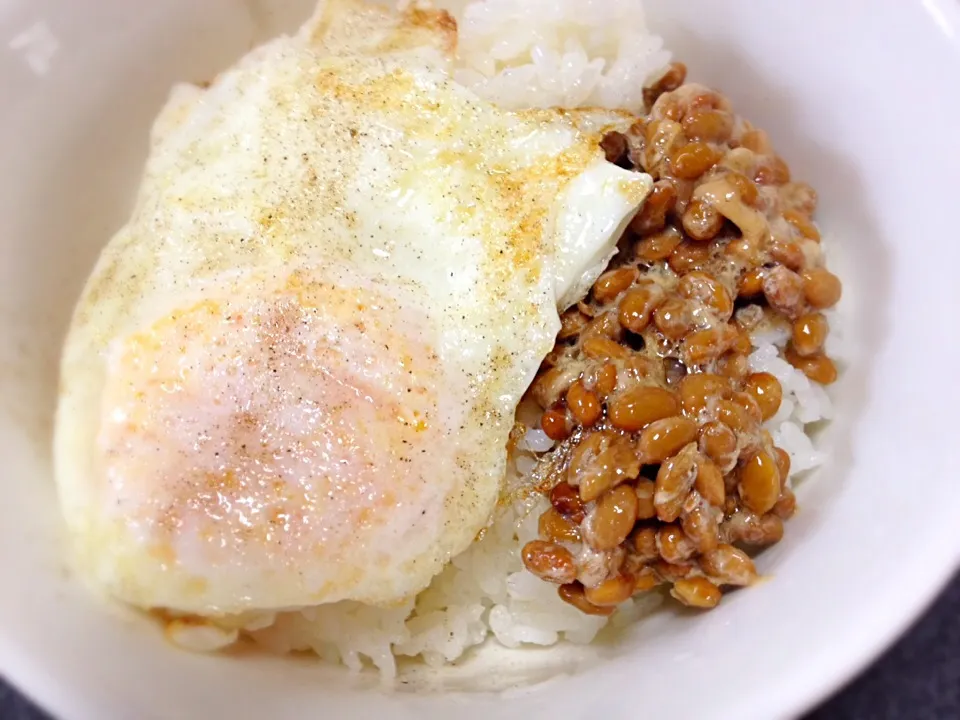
(291, 377)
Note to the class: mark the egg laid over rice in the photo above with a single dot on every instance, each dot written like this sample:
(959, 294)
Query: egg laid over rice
(296, 392)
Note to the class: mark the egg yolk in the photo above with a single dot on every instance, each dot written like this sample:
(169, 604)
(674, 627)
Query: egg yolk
(274, 434)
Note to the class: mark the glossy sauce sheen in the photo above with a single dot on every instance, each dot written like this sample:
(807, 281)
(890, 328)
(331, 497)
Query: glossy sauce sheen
(291, 377)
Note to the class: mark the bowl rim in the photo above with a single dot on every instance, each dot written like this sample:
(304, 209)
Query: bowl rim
(834, 669)
(857, 644)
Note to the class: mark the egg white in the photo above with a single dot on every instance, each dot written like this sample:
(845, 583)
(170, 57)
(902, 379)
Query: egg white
(291, 376)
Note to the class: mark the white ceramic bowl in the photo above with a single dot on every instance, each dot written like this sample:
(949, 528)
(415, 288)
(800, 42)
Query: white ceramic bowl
(861, 97)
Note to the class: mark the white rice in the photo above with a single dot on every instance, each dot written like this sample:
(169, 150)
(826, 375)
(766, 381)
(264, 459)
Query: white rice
(565, 53)
(535, 52)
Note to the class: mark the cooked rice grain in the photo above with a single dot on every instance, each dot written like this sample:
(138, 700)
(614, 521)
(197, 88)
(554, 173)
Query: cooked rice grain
(557, 53)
